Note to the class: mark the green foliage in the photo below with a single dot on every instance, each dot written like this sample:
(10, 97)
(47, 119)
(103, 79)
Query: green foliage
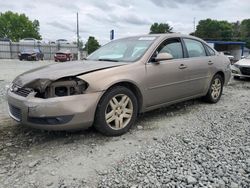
(245, 28)
(18, 26)
(214, 29)
(222, 30)
(91, 45)
(245, 31)
(160, 28)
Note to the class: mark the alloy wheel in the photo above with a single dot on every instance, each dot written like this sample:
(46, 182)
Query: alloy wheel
(216, 88)
(119, 111)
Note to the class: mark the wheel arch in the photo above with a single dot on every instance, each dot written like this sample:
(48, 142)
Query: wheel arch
(131, 86)
(222, 75)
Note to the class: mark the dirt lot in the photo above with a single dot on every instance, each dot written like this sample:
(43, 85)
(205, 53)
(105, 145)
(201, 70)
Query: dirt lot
(192, 144)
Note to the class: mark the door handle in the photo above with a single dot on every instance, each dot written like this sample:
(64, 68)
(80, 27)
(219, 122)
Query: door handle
(182, 66)
(210, 62)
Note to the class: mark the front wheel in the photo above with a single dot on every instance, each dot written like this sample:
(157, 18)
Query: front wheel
(215, 90)
(116, 111)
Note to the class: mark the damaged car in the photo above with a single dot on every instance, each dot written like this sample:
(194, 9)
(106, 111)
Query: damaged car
(117, 82)
(241, 69)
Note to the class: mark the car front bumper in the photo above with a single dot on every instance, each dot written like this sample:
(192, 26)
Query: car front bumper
(238, 71)
(61, 58)
(59, 113)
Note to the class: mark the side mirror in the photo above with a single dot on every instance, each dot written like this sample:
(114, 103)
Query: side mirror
(163, 56)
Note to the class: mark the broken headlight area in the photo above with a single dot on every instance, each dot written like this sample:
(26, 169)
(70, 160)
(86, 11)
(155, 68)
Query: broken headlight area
(60, 88)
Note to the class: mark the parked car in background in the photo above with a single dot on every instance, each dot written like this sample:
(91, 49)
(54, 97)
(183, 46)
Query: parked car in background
(230, 57)
(62, 56)
(116, 82)
(5, 40)
(241, 68)
(31, 54)
(29, 41)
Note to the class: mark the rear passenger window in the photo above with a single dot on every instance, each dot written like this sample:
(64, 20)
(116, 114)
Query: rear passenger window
(173, 47)
(194, 48)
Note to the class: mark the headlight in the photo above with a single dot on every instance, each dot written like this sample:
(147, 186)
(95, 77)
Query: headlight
(70, 87)
(63, 87)
(9, 86)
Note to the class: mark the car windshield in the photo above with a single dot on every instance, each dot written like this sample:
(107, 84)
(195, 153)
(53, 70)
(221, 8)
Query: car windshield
(124, 50)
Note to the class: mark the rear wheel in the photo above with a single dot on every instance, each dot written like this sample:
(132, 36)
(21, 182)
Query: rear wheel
(116, 111)
(215, 90)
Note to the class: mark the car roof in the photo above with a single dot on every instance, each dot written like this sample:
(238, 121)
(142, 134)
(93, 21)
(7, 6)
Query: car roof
(168, 35)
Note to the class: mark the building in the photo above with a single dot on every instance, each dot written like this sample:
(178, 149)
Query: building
(233, 48)
(246, 52)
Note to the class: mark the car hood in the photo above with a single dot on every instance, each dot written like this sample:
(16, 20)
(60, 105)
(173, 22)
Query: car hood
(244, 62)
(28, 52)
(59, 70)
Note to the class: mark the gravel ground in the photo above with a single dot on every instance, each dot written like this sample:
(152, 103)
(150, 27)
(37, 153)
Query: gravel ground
(191, 144)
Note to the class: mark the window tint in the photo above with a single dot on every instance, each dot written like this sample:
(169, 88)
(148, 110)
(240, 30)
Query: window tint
(172, 47)
(194, 48)
(210, 51)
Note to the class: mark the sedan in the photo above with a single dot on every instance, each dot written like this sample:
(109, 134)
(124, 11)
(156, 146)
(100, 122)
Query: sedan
(117, 82)
(31, 54)
(241, 68)
(62, 56)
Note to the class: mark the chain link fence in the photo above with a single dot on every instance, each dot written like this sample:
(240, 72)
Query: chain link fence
(10, 50)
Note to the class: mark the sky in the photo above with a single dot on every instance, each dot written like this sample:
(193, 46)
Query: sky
(127, 17)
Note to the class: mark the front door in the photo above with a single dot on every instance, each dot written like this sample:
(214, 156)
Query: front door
(166, 79)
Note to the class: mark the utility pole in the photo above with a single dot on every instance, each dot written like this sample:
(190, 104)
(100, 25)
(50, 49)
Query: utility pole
(77, 33)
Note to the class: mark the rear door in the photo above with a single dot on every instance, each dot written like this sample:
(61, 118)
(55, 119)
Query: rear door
(199, 65)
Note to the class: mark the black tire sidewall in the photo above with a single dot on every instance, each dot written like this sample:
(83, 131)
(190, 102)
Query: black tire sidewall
(100, 121)
(209, 94)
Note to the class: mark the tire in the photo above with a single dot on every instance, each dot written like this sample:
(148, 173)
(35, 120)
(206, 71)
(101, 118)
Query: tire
(109, 118)
(215, 89)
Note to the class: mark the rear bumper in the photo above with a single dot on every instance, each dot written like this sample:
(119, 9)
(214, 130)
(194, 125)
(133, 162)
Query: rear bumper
(60, 113)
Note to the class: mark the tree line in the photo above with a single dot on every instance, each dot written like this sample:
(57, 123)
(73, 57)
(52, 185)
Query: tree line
(209, 29)
(18, 26)
(223, 30)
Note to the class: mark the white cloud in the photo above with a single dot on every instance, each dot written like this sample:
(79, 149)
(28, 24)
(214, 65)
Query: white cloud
(58, 18)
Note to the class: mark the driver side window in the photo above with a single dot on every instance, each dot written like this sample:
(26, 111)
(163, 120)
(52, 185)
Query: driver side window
(171, 46)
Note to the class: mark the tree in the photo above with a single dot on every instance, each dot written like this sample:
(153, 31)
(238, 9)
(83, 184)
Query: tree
(213, 29)
(245, 28)
(236, 30)
(245, 31)
(160, 28)
(91, 45)
(18, 26)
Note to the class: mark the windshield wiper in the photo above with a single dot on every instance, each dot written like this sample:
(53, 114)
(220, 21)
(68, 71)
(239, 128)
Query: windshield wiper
(103, 59)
